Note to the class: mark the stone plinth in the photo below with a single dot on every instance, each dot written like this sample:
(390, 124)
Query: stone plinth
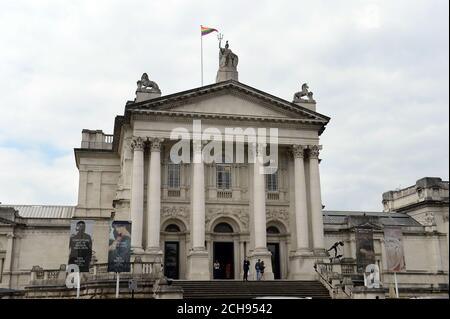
(164, 290)
(225, 74)
(144, 95)
(310, 105)
(263, 255)
(368, 293)
(198, 265)
(301, 266)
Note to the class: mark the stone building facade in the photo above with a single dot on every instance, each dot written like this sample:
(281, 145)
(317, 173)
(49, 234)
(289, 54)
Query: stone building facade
(188, 215)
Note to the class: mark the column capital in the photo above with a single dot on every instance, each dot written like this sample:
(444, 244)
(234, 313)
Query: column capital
(137, 143)
(298, 151)
(314, 151)
(155, 143)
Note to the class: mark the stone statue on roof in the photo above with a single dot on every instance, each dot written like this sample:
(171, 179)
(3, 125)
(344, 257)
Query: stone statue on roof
(227, 59)
(298, 97)
(146, 85)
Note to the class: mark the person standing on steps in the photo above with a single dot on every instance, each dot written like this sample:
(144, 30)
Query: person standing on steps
(261, 269)
(258, 269)
(246, 268)
(216, 267)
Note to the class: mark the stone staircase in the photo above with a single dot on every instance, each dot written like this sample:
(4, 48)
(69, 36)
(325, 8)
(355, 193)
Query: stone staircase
(238, 289)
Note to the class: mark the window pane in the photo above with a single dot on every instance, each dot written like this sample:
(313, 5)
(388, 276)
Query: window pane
(223, 228)
(173, 175)
(272, 182)
(223, 176)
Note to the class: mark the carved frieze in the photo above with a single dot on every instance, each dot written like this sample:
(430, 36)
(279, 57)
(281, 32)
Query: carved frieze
(277, 214)
(175, 212)
(445, 218)
(427, 219)
(239, 213)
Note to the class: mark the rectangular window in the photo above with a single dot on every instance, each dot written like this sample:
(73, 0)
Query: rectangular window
(173, 176)
(223, 177)
(272, 182)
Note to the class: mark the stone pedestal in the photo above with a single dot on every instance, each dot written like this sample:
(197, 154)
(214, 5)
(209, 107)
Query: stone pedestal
(301, 266)
(225, 74)
(368, 293)
(162, 289)
(310, 105)
(198, 265)
(144, 95)
(263, 255)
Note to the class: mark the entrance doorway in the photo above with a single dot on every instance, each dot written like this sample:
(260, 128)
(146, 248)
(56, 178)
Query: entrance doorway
(274, 248)
(224, 254)
(171, 259)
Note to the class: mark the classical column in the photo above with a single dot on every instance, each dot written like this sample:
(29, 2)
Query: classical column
(315, 198)
(260, 250)
(259, 202)
(198, 260)
(154, 197)
(301, 207)
(137, 195)
(198, 199)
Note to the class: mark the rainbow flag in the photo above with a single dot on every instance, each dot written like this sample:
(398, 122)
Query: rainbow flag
(206, 30)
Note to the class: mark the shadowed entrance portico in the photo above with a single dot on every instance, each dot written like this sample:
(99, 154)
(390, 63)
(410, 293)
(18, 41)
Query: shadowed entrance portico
(224, 254)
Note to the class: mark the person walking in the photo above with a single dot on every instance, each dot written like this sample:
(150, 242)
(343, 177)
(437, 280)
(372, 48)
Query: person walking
(246, 268)
(258, 269)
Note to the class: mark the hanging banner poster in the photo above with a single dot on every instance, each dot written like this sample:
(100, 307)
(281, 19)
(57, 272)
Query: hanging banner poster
(393, 243)
(80, 244)
(119, 247)
(365, 254)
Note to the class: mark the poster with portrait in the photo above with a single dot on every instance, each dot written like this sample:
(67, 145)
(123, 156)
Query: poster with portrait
(365, 254)
(119, 250)
(393, 243)
(80, 243)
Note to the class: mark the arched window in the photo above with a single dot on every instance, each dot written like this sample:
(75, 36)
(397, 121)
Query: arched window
(172, 228)
(273, 230)
(223, 228)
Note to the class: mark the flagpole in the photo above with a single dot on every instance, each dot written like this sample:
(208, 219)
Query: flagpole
(201, 54)
(396, 284)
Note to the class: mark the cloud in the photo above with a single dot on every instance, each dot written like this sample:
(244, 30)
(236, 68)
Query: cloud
(379, 69)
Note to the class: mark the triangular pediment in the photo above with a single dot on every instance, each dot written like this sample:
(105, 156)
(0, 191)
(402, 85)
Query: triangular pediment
(232, 104)
(229, 98)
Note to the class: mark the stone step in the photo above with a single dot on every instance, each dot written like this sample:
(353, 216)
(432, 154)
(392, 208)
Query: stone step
(251, 289)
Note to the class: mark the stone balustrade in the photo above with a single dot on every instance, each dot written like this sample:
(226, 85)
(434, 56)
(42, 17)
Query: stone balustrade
(96, 139)
(139, 270)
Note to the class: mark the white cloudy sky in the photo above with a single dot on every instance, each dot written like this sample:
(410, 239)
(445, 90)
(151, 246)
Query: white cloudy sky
(379, 69)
